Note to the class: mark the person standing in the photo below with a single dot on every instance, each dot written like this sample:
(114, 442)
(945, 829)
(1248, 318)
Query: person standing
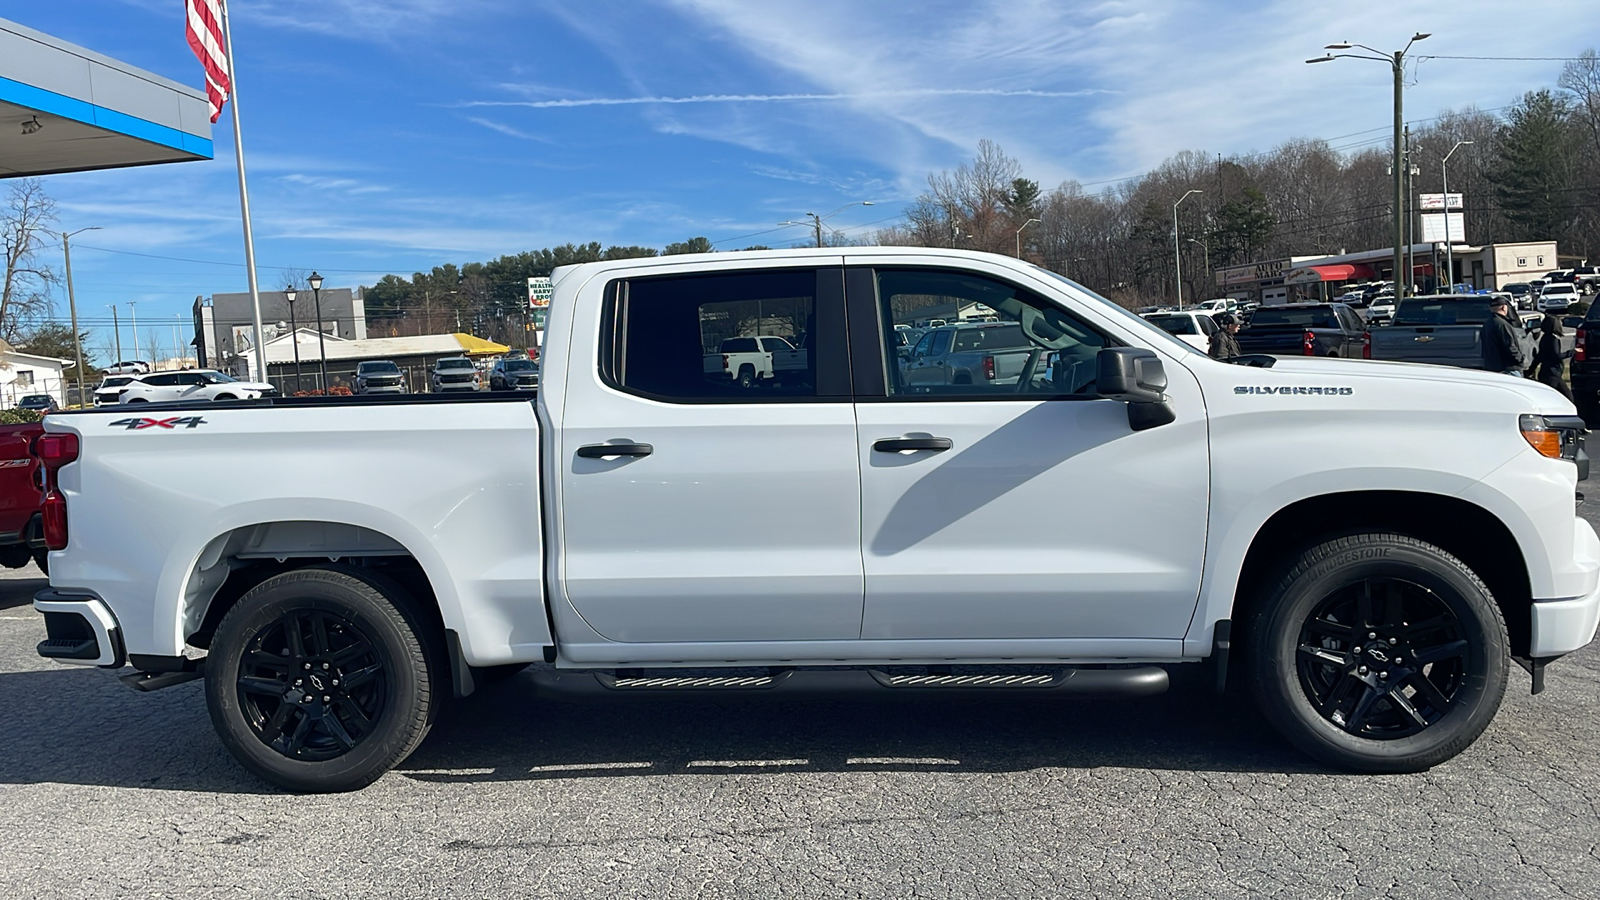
(1502, 352)
(1551, 358)
(1223, 343)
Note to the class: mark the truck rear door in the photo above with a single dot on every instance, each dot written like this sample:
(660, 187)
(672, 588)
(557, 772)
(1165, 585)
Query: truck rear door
(694, 508)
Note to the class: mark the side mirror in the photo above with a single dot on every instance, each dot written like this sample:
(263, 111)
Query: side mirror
(1135, 376)
(1130, 374)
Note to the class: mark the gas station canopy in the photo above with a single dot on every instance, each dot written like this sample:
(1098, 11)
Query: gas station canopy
(67, 109)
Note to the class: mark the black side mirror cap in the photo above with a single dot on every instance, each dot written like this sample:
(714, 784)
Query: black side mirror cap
(1130, 374)
(1135, 376)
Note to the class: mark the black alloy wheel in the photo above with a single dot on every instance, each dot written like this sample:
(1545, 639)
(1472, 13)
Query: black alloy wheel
(312, 685)
(1379, 653)
(321, 679)
(1382, 658)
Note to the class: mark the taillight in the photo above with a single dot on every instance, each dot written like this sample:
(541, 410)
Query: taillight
(1308, 344)
(724, 362)
(56, 450)
(1366, 345)
(54, 516)
(988, 367)
(1580, 349)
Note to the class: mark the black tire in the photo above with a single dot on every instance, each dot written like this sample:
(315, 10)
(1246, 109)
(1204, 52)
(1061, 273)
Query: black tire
(747, 376)
(1332, 654)
(41, 558)
(274, 671)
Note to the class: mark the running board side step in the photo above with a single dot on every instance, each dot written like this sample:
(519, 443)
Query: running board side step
(1138, 681)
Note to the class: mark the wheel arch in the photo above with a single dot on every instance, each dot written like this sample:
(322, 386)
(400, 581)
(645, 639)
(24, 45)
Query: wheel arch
(1463, 529)
(243, 556)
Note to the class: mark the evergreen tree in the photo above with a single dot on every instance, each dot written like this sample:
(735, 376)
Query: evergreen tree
(1532, 178)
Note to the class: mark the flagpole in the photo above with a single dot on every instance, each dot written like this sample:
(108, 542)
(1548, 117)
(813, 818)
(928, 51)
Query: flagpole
(244, 200)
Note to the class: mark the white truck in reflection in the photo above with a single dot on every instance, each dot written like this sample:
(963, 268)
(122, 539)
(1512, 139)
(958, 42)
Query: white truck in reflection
(746, 360)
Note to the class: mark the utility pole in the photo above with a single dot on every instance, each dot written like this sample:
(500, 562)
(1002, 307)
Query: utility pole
(1177, 256)
(116, 329)
(133, 310)
(72, 303)
(816, 222)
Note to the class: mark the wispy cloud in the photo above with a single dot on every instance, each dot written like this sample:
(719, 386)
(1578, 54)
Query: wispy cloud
(508, 130)
(775, 98)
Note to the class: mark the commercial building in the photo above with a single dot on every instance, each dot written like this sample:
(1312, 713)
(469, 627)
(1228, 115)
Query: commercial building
(414, 355)
(224, 323)
(1312, 279)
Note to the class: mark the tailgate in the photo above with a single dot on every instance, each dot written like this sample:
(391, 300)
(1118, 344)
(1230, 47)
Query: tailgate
(1445, 345)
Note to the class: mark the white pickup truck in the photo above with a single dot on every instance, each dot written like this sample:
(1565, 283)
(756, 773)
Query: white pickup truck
(1129, 507)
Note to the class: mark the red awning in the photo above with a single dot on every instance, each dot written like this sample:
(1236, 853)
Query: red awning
(1314, 274)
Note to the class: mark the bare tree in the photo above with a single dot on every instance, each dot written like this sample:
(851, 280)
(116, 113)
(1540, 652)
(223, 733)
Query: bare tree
(152, 346)
(25, 220)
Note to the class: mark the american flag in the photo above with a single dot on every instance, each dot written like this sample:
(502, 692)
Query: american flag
(204, 31)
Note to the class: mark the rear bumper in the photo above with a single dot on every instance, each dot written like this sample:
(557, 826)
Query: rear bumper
(79, 630)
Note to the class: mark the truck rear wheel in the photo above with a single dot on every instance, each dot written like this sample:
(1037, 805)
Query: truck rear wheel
(747, 376)
(1379, 653)
(318, 680)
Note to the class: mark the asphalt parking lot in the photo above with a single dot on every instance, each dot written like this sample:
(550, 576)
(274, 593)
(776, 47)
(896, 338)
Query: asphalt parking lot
(108, 793)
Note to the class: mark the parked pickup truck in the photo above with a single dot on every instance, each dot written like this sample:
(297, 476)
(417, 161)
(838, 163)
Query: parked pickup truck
(1446, 330)
(1310, 329)
(21, 496)
(968, 353)
(1130, 508)
(745, 360)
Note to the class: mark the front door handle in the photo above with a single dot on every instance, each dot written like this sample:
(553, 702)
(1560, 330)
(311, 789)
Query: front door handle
(602, 451)
(896, 445)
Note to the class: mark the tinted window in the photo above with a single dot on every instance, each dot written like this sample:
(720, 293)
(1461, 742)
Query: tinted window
(191, 378)
(167, 380)
(1035, 348)
(1321, 317)
(520, 365)
(677, 338)
(1423, 311)
(924, 345)
(378, 368)
(1175, 324)
(455, 364)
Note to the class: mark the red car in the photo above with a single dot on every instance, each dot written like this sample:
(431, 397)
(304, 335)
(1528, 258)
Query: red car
(21, 495)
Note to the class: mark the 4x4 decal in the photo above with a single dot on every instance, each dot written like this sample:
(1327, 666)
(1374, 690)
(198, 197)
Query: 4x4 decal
(143, 422)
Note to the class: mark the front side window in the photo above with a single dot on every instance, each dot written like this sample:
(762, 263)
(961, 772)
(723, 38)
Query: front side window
(740, 337)
(1031, 347)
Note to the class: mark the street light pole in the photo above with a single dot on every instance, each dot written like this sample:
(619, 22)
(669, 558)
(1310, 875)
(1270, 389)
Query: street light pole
(1019, 236)
(322, 349)
(816, 220)
(289, 293)
(117, 330)
(1397, 62)
(1449, 255)
(1177, 257)
(133, 310)
(72, 304)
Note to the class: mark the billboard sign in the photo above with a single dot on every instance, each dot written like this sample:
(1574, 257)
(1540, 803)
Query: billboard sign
(1437, 201)
(539, 293)
(1433, 228)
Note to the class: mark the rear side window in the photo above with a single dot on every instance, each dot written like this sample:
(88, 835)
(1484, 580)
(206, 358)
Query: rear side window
(1302, 318)
(162, 380)
(1442, 312)
(726, 337)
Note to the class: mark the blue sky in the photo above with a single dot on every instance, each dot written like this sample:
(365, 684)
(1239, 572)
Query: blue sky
(394, 135)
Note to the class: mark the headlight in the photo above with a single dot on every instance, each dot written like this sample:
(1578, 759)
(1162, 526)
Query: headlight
(1557, 437)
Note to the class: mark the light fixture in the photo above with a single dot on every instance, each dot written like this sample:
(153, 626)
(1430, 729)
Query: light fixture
(1344, 46)
(32, 126)
(315, 281)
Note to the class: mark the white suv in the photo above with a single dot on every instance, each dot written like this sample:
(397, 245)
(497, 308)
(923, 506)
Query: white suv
(193, 384)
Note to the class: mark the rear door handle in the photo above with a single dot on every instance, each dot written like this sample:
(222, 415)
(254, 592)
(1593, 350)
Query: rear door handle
(896, 445)
(602, 451)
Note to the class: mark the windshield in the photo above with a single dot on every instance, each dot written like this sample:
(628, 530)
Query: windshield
(1168, 342)
(455, 363)
(1425, 311)
(1318, 317)
(379, 368)
(521, 365)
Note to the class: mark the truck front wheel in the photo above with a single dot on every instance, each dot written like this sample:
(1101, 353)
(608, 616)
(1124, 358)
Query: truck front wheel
(318, 680)
(1379, 653)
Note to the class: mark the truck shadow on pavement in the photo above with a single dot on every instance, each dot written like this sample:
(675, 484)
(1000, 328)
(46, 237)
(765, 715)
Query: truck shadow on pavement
(513, 733)
(74, 726)
(15, 592)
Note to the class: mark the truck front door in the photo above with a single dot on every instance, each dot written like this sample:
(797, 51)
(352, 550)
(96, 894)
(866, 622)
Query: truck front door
(695, 508)
(1027, 510)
